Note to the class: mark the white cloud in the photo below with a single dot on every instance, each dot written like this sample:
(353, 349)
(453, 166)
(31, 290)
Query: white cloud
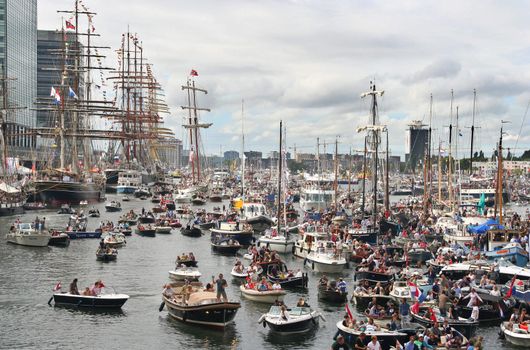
(307, 62)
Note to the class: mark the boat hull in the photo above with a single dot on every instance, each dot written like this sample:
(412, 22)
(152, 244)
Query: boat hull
(58, 192)
(125, 189)
(300, 326)
(11, 209)
(29, 240)
(519, 339)
(280, 246)
(113, 301)
(84, 234)
(217, 315)
(268, 297)
(191, 232)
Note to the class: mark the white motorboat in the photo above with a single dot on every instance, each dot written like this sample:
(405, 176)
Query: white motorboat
(515, 334)
(114, 239)
(267, 296)
(279, 243)
(326, 262)
(163, 229)
(244, 272)
(293, 320)
(185, 273)
(401, 290)
(26, 234)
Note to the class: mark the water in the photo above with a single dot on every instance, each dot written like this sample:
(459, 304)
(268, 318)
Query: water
(29, 274)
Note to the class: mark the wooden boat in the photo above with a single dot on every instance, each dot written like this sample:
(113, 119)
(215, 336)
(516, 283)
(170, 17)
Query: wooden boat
(331, 295)
(59, 239)
(201, 308)
(146, 230)
(191, 231)
(245, 272)
(295, 320)
(106, 254)
(102, 301)
(279, 272)
(386, 338)
(225, 246)
(267, 296)
(464, 326)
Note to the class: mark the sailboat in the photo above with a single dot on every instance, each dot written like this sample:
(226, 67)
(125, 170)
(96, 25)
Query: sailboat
(275, 239)
(12, 194)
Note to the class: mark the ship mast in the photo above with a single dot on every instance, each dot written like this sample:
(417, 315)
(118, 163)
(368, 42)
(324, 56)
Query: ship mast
(194, 125)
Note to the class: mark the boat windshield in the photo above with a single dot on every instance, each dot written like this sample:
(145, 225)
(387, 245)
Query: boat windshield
(24, 226)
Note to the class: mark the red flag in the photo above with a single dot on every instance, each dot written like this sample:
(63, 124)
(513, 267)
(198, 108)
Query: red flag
(57, 286)
(510, 291)
(194, 73)
(69, 25)
(433, 316)
(349, 312)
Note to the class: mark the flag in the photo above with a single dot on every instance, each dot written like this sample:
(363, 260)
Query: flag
(349, 312)
(510, 291)
(422, 297)
(71, 93)
(194, 73)
(52, 92)
(57, 97)
(57, 286)
(414, 290)
(415, 308)
(69, 25)
(433, 316)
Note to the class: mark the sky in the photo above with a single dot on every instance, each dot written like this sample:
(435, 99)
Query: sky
(307, 62)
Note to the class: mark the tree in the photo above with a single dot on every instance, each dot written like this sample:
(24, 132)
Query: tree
(526, 155)
(481, 155)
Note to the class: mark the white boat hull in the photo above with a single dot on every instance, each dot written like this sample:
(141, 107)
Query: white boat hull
(268, 297)
(325, 268)
(29, 240)
(280, 246)
(519, 339)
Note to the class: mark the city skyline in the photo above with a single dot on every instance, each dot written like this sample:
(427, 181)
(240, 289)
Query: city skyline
(307, 63)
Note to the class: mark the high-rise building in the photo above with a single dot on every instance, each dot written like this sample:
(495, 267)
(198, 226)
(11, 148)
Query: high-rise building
(50, 48)
(231, 155)
(18, 62)
(418, 139)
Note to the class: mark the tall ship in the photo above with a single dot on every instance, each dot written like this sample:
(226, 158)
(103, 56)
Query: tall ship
(12, 184)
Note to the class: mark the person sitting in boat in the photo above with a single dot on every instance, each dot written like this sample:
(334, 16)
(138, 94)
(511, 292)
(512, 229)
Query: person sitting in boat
(263, 286)
(276, 286)
(187, 289)
(323, 281)
(168, 291)
(341, 286)
(96, 288)
(209, 288)
(86, 292)
(370, 326)
(73, 287)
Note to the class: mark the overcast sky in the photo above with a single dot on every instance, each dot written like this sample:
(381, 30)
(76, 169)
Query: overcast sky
(307, 62)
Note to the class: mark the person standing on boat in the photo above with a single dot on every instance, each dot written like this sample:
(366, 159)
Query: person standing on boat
(221, 285)
(404, 311)
(473, 297)
(73, 287)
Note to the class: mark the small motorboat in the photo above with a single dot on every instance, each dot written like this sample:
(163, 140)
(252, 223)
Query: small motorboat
(146, 230)
(361, 299)
(287, 279)
(326, 262)
(155, 199)
(126, 199)
(186, 261)
(401, 290)
(185, 273)
(59, 239)
(113, 206)
(240, 271)
(66, 209)
(191, 231)
(226, 246)
(147, 218)
(175, 223)
(83, 203)
(331, 294)
(291, 320)
(114, 239)
(102, 301)
(93, 213)
(199, 307)
(386, 338)
(426, 316)
(198, 200)
(266, 296)
(516, 334)
(106, 254)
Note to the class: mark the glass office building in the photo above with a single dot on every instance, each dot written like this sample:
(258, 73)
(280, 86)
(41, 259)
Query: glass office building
(18, 62)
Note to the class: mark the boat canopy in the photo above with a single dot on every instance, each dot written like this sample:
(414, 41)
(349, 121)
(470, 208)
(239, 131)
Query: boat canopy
(488, 225)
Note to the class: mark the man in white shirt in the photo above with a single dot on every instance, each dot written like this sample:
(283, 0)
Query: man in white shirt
(374, 344)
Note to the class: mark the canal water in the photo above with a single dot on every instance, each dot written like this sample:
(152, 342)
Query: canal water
(28, 276)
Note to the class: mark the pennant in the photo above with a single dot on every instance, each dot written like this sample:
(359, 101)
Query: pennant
(71, 93)
(194, 73)
(349, 312)
(52, 92)
(510, 291)
(69, 25)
